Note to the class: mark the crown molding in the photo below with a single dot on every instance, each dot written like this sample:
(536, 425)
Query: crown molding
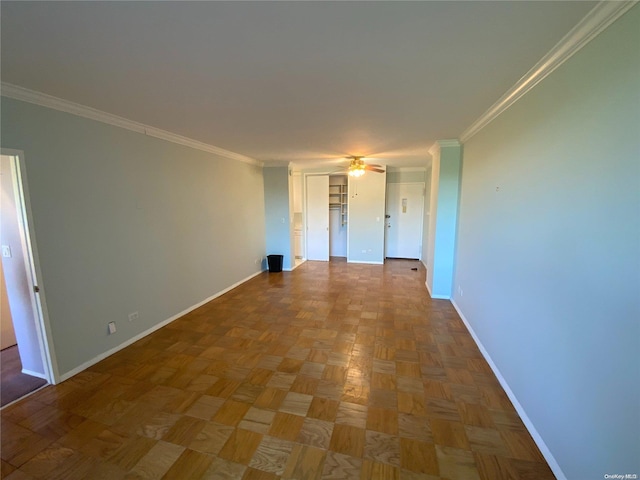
(453, 142)
(435, 148)
(596, 21)
(37, 98)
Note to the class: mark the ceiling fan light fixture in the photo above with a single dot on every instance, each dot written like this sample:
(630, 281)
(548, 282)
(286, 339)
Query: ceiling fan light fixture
(356, 167)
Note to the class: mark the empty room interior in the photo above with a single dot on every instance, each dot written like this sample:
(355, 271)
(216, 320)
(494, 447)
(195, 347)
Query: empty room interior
(304, 240)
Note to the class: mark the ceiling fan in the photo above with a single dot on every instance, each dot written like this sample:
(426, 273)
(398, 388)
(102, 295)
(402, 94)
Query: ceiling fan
(357, 167)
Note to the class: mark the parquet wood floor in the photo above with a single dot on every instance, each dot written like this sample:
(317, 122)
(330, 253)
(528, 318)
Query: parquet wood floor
(332, 371)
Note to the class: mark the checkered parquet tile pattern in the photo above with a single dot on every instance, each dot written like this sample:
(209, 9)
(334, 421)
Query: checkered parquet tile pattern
(333, 371)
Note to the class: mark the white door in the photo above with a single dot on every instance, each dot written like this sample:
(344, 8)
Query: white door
(19, 272)
(405, 204)
(318, 217)
(337, 234)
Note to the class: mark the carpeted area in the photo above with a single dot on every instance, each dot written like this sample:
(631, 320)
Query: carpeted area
(15, 384)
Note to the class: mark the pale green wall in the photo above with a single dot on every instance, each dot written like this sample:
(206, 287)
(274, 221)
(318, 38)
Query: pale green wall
(443, 218)
(277, 219)
(126, 222)
(404, 176)
(549, 264)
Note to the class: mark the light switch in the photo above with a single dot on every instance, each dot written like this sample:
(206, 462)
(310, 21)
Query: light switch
(112, 328)
(6, 251)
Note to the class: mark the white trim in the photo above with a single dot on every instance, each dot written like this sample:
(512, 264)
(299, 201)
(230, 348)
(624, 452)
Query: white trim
(596, 21)
(157, 326)
(435, 297)
(37, 98)
(438, 144)
(452, 142)
(367, 263)
(32, 264)
(553, 464)
(302, 260)
(35, 374)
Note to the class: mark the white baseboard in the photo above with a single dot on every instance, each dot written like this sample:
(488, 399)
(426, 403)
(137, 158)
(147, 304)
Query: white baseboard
(157, 326)
(553, 464)
(435, 297)
(296, 266)
(367, 263)
(35, 374)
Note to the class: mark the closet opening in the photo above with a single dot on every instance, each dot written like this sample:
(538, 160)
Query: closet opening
(338, 217)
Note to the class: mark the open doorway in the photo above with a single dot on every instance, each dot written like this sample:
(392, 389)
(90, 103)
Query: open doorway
(298, 222)
(338, 217)
(24, 355)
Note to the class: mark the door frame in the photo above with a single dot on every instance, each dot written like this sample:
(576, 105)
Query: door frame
(386, 206)
(32, 264)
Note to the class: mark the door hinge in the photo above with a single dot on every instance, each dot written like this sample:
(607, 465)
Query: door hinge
(36, 289)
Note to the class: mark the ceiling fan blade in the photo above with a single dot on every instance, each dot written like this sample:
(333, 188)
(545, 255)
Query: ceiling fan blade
(373, 169)
(374, 165)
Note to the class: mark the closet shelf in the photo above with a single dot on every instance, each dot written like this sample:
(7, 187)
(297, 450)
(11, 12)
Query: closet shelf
(338, 197)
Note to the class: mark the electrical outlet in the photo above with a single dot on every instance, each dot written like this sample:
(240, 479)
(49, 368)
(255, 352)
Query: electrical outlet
(112, 328)
(133, 316)
(460, 290)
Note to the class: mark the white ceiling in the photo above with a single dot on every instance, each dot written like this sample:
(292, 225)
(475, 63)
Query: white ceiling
(299, 82)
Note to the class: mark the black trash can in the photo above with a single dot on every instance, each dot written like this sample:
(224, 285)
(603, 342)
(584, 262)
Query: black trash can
(275, 263)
